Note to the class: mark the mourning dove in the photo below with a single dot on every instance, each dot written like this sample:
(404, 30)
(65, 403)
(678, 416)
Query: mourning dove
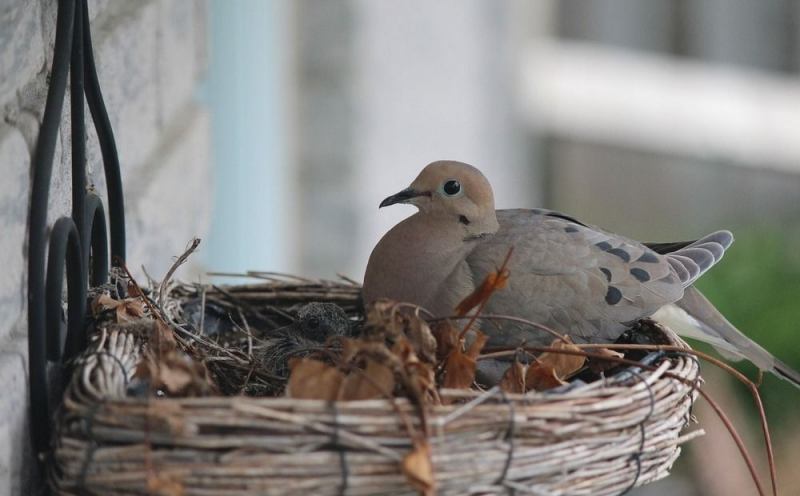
(577, 279)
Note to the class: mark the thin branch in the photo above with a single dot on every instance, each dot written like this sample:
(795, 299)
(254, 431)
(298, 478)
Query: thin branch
(249, 333)
(139, 291)
(162, 289)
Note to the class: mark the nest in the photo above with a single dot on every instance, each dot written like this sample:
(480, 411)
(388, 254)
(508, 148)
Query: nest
(225, 434)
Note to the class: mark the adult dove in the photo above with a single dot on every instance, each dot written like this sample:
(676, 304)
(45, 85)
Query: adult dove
(575, 278)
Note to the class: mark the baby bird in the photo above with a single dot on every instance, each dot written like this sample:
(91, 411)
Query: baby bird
(314, 324)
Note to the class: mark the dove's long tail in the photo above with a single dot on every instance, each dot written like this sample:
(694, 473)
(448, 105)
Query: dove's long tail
(695, 317)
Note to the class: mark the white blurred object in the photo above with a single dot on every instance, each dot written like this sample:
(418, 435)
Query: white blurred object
(434, 81)
(249, 92)
(663, 104)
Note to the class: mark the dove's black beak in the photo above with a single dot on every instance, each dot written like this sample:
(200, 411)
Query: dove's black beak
(403, 197)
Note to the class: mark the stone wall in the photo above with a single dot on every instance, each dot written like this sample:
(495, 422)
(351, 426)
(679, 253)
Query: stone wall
(150, 56)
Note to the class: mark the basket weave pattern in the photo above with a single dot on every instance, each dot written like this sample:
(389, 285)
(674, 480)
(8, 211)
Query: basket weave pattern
(600, 438)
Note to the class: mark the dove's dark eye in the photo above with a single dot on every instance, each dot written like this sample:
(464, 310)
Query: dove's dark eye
(313, 323)
(451, 187)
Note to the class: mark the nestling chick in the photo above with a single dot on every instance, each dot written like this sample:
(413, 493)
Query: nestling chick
(315, 324)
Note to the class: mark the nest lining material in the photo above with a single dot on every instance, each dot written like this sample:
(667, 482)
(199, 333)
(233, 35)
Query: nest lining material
(600, 438)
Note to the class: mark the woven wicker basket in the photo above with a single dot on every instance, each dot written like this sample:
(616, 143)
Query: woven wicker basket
(600, 438)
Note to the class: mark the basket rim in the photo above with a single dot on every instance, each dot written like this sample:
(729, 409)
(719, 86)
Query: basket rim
(641, 412)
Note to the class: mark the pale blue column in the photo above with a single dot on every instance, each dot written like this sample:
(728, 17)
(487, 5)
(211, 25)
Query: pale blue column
(246, 91)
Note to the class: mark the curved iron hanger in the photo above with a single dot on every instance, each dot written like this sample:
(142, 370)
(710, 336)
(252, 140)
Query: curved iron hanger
(78, 243)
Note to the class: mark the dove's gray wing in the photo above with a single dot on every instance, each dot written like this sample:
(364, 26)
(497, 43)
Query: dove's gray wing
(578, 279)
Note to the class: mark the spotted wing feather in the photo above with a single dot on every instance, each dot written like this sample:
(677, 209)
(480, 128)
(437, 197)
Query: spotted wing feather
(574, 278)
(695, 259)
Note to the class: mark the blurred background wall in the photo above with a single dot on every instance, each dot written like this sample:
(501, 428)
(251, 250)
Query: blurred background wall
(661, 120)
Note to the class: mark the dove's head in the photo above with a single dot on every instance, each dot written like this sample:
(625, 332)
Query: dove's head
(452, 192)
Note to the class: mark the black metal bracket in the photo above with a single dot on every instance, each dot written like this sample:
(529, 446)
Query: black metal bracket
(78, 243)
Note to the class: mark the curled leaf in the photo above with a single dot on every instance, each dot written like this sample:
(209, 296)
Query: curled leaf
(161, 484)
(492, 282)
(183, 376)
(564, 365)
(477, 345)
(414, 375)
(376, 381)
(418, 469)
(103, 302)
(550, 369)
(598, 365)
(176, 374)
(350, 348)
(134, 291)
(127, 309)
(446, 336)
(130, 309)
(460, 367)
(312, 379)
(513, 380)
(161, 340)
(383, 320)
(419, 334)
(542, 376)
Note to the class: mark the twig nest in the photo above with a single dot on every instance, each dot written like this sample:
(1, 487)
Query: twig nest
(316, 324)
(625, 426)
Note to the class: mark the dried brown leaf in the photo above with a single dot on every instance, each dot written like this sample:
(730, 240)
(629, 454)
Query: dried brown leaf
(161, 340)
(175, 379)
(446, 336)
(419, 334)
(493, 281)
(460, 367)
(598, 365)
(513, 380)
(384, 321)
(130, 309)
(179, 375)
(477, 345)
(405, 352)
(376, 381)
(417, 377)
(134, 291)
(103, 302)
(160, 484)
(551, 369)
(542, 376)
(459, 370)
(312, 379)
(564, 365)
(350, 348)
(418, 469)
(143, 371)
